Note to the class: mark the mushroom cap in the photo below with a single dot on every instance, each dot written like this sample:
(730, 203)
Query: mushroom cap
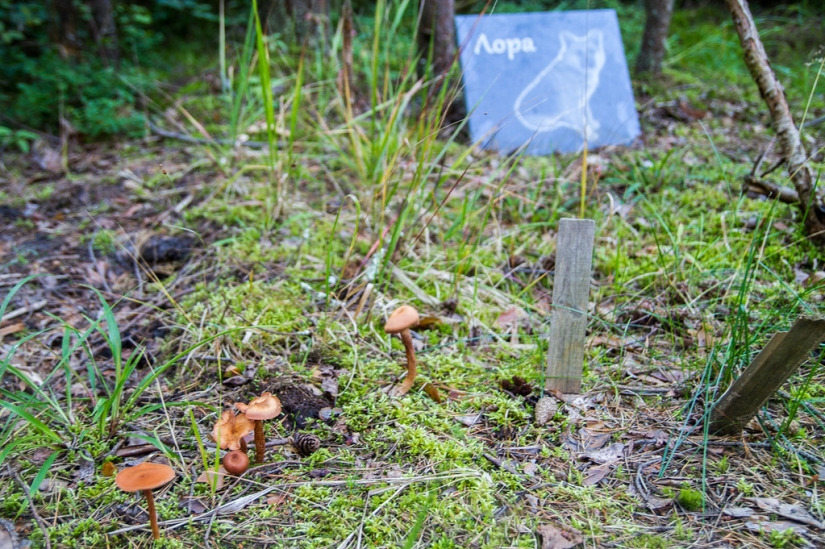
(230, 429)
(236, 462)
(146, 476)
(401, 319)
(265, 406)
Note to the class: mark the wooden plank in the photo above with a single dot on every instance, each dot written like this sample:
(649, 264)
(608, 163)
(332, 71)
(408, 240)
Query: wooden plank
(571, 290)
(765, 375)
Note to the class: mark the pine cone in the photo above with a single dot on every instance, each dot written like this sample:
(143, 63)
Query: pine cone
(545, 409)
(306, 444)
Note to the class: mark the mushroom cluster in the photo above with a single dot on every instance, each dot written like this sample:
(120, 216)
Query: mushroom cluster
(399, 322)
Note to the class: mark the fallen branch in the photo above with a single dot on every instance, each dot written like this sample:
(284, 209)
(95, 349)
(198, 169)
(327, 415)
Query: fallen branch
(787, 134)
(36, 306)
(771, 190)
(200, 141)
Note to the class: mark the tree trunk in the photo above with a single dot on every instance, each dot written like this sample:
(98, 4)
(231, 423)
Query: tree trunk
(787, 135)
(300, 20)
(64, 31)
(654, 40)
(436, 43)
(437, 29)
(105, 32)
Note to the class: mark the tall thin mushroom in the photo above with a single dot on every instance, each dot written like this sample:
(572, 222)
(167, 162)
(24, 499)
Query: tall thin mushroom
(261, 408)
(400, 322)
(145, 478)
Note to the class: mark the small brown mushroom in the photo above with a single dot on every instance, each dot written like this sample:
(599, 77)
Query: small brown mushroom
(236, 462)
(400, 322)
(261, 408)
(230, 430)
(145, 478)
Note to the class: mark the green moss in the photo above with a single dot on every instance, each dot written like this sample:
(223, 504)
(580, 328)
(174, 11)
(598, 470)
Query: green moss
(690, 500)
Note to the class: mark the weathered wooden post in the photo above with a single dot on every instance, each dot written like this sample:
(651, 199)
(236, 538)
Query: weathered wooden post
(769, 370)
(571, 289)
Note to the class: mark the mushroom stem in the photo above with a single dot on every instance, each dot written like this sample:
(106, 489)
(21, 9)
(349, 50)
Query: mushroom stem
(406, 339)
(153, 516)
(260, 443)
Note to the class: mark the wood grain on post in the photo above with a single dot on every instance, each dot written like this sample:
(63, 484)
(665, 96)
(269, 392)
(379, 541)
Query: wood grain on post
(571, 290)
(769, 370)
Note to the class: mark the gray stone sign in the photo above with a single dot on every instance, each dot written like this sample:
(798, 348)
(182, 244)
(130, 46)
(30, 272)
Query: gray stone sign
(546, 80)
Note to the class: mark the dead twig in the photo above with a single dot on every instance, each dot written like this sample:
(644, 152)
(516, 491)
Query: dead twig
(786, 195)
(200, 141)
(36, 306)
(35, 514)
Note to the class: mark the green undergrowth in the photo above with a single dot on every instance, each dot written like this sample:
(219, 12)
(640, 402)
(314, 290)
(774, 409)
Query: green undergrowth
(690, 278)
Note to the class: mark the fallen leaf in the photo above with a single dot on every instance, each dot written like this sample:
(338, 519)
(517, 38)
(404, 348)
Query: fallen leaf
(595, 475)
(658, 436)
(11, 329)
(654, 504)
(738, 512)
(509, 317)
(276, 499)
(326, 375)
(432, 392)
(578, 402)
(214, 478)
(428, 321)
(40, 455)
(232, 371)
(815, 279)
(794, 512)
(610, 454)
(800, 276)
(469, 419)
(559, 536)
(8, 535)
(235, 381)
(592, 441)
(194, 505)
(569, 443)
(764, 526)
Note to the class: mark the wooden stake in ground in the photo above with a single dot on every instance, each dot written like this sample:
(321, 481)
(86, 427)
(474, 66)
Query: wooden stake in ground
(571, 289)
(787, 135)
(769, 370)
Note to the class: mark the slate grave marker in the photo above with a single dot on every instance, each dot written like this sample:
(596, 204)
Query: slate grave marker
(547, 80)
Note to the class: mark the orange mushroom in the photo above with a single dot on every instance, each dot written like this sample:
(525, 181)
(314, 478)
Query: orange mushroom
(400, 322)
(145, 478)
(236, 462)
(261, 408)
(230, 430)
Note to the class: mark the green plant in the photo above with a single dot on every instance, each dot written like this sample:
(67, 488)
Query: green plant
(17, 138)
(783, 538)
(723, 465)
(745, 487)
(690, 500)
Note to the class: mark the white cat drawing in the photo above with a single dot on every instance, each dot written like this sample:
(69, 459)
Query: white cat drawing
(552, 100)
